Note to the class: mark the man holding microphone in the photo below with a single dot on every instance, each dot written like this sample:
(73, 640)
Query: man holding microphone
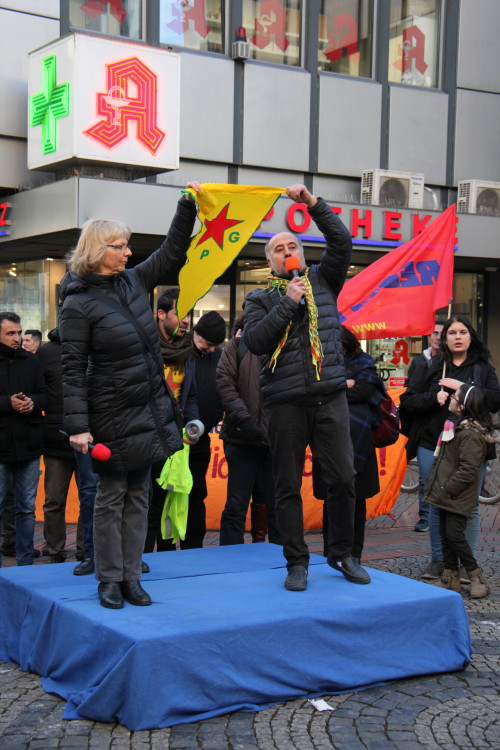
(293, 324)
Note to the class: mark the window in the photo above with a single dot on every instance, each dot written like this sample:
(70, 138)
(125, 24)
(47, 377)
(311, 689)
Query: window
(113, 17)
(414, 42)
(345, 37)
(273, 30)
(195, 24)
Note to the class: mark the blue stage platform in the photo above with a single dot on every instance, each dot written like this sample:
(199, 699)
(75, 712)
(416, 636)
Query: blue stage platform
(222, 635)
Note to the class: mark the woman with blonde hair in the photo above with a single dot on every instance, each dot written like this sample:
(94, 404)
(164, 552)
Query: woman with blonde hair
(114, 387)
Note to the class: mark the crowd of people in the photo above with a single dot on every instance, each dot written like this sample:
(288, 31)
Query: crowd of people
(291, 376)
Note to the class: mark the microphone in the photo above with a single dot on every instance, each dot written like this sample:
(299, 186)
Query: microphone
(98, 451)
(292, 266)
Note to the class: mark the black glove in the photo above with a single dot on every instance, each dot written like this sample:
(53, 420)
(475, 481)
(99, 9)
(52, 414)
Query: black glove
(251, 430)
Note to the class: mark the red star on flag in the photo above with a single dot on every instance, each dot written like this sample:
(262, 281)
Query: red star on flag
(216, 227)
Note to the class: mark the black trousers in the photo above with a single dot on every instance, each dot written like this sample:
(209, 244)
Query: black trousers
(325, 428)
(199, 459)
(456, 548)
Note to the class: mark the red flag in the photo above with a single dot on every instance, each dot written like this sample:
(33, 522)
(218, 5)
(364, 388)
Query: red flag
(399, 294)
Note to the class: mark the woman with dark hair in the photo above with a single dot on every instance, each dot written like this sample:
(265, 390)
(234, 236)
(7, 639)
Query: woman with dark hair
(464, 359)
(454, 482)
(364, 392)
(114, 386)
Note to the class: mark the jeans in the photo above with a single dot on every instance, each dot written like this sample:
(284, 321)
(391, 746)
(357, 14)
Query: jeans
(120, 523)
(425, 459)
(325, 428)
(25, 476)
(87, 488)
(249, 476)
(8, 521)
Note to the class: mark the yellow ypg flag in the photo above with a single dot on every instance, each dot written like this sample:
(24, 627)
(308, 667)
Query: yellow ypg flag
(229, 215)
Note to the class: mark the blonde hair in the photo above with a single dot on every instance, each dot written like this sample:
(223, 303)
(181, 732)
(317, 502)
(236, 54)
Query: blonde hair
(96, 234)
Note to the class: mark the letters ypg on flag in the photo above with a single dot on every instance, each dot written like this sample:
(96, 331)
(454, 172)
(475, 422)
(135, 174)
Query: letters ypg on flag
(229, 215)
(399, 294)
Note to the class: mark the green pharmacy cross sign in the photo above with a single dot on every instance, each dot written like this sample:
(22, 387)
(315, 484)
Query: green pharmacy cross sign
(51, 103)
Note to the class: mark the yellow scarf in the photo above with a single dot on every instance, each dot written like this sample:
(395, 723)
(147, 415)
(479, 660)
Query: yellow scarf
(281, 285)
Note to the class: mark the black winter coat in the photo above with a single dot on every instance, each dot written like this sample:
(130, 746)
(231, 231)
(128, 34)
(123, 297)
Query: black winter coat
(112, 386)
(267, 315)
(238, 386)
(54, 444)
(21, 434)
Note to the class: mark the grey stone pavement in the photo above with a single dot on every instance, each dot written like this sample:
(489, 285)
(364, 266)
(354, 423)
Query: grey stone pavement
(453, 710)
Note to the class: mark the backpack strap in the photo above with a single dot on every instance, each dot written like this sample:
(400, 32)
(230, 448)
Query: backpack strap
(240, 351)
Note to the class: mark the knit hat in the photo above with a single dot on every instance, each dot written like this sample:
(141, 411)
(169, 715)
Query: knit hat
(211, 327)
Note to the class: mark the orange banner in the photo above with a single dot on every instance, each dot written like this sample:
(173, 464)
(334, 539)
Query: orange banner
(392, 466)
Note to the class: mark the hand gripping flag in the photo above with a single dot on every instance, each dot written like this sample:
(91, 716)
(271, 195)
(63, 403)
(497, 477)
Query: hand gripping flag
(229, 215)
(399, 294)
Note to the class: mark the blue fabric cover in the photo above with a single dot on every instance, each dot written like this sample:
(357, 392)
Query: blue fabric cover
(222, 635)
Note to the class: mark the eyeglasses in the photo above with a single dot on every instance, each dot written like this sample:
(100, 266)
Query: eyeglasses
(120, 248)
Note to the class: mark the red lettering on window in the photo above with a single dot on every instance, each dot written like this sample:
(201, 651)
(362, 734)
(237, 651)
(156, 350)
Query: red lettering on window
(391, 225)
(344, 37)
(184, 12)
(357, 222)
(413, 49)
(290, 217)
(272, 20)
(95, 8)
(420, 224)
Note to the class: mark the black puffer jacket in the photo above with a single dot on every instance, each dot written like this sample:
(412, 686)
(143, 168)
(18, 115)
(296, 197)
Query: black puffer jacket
(54, 444)
(267, 316)
(112, 386)
(21, 434)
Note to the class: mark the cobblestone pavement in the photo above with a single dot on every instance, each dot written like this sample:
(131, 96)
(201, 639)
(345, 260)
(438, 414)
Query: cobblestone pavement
(454, 710)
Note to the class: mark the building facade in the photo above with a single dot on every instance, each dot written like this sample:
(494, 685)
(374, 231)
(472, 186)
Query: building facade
(386, 108)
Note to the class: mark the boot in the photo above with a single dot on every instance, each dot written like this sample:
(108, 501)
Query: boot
(450, 579)
(258, 514)
(478, 587)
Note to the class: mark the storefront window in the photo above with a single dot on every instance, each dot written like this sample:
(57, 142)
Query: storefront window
(414, 42)
(345, 37)
(273, 30)
(218, 299)
(195, 24)
(31, 289)
(113, 17)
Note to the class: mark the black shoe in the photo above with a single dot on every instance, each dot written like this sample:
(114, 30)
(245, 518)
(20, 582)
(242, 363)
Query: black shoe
(134, 593)
(57, 558)
(8, 551)
(45, 551)
(79, 556)
(421, 525)
(85, 568)
(36, 554)
(296, 579)
(144, 567)
(110, 594)
(350, 569)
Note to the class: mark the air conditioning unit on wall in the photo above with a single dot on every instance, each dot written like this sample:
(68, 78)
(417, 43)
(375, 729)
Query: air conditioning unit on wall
(478, 197)
(382, 187)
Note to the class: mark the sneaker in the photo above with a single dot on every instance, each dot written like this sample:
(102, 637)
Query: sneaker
(421, 525)
(433, 570)
(464, 576)
(296, 579)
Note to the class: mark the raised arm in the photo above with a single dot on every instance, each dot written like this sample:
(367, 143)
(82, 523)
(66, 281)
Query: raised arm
(168, 260)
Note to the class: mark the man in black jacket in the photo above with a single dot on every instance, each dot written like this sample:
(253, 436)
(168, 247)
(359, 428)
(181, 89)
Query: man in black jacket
(60, 462)
(294, 326)
(23, 396)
